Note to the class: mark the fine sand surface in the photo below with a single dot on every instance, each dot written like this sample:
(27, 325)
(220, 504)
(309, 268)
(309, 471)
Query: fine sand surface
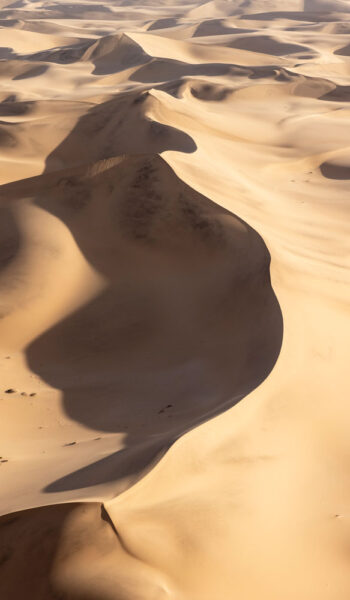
(174, 300)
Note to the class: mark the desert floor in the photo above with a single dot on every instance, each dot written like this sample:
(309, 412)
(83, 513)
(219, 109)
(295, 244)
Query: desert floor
(174, 300)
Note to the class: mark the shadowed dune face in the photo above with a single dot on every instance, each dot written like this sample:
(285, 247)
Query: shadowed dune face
(31, 72)
(9, 236)
(163, 23)
(335, 171)
(12, 108)
(345, 51)
(340, 93)
(217, 27)
(66, 55)
(115, 53)
(266, 44)
(6, 53)
(40, 549)
(117, 127)
(167, 70)
(187, 325)
(28, 542)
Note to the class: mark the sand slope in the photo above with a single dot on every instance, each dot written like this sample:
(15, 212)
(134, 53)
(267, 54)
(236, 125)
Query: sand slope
(174, 276)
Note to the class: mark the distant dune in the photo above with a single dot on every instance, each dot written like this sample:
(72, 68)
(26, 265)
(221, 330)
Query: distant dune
(174, 275)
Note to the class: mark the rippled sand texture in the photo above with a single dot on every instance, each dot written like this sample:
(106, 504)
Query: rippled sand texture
(174, 300)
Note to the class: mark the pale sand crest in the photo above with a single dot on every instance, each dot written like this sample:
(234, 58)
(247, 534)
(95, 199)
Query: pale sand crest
(174, 253)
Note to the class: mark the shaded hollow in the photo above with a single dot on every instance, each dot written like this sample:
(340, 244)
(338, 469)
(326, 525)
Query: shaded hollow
(45, 551)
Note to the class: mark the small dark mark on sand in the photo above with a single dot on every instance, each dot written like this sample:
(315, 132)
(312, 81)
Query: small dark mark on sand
(70, 444)
(10, 391)
(164, 409)
(32, 394)
(4, 460)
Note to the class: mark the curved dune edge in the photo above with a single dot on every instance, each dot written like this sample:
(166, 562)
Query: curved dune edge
(176, 318)
(152, 161)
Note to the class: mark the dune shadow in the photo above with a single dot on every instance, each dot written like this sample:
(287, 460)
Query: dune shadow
(74, 10)
(344, 51)
(10, 107)
(266, 45)
(164, 69)
(9, 236)
(340, 93)
(32, 72)
(126, 463)
(164, 23)
(37, 545)
(65, 55)
(7, 53)
(188, 323)
(114, 128)
(308, 15)
(217, 27)
(335, 171)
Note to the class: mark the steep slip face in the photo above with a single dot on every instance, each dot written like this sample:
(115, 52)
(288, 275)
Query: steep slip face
(57, 545)
(154, 158)
(185, 326)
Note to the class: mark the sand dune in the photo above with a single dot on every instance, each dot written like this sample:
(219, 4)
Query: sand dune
(174, 276)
